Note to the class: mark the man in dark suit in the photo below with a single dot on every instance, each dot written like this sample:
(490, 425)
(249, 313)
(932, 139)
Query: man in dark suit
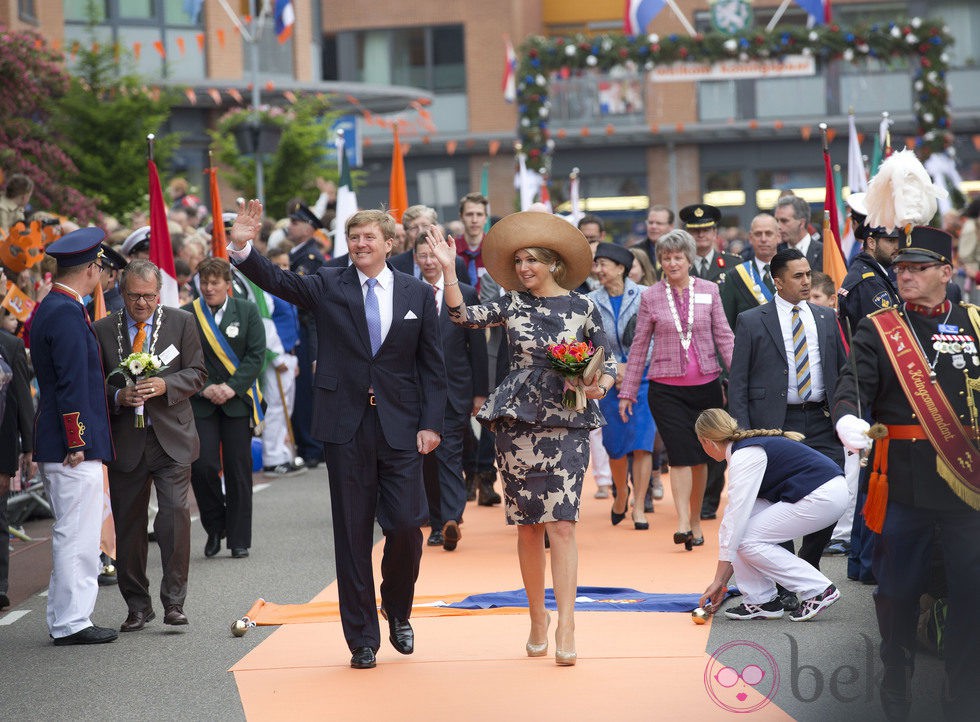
(379, 403)
(465, 351)
(793, 216)
(226, 409)
(305, 258)
(160, 453)
(750, 283)
(660, 220)
(785, 363)
(407, 263)
(71, 436)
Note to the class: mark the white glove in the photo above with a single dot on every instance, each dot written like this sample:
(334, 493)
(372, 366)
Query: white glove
(853, 433)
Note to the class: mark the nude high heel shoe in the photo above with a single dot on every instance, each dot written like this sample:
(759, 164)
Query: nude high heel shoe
(563, 658)
(538, 649)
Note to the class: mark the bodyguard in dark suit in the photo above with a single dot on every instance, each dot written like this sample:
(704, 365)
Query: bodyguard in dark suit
(379, 402)
(784, 375)
(465, 352)
(71, 436)
(162, 451)
(227, 408)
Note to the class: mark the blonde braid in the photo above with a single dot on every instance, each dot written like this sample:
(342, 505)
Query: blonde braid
(718, 425)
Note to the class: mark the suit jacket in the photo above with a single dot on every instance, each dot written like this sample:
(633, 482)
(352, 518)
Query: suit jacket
(248, 343)
(465, 352)
(171, 414)
(20, 405)
(711, 337)
(759, 379)
(407, 374)
(71, 412)
(814, 253)
(721, 265)
(736, 297)
(405, 262)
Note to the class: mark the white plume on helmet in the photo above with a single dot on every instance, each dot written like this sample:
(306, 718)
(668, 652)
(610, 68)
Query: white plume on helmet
(901, 193)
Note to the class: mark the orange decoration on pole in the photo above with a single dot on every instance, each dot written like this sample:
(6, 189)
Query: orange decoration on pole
(158, 46)
(180, 45)
(270, 86)
(191, 95)
(831, 134)
(493, 147)
(137, 49)
(450, 147)
(805, 132)
(236, 96)
(200, 41)
(655, 127)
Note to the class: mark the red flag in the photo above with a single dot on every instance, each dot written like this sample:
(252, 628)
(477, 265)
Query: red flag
(219, 244)
(833, 256)
(161, 250)
(397, 188)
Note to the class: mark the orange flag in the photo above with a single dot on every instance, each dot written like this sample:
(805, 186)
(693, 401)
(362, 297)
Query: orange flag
(833, 256)
(219, 244)
(17, 302)
(397, 188)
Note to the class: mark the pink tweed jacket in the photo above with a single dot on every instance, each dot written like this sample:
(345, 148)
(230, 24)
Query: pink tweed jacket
(655, 324)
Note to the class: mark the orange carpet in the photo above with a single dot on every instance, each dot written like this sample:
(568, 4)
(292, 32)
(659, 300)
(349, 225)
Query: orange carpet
(631, 665)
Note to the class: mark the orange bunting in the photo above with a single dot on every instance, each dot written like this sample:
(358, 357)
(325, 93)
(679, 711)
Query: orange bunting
(753, 124)
(584, 132)
(137, 49)
(200, 41)
(426, 139)
(181, 48)
(655, 128)
(450, 147)
(221, 37)
(777, 124)
(191, 95)
(860, 138)
(270, 86)
(831, 134)
(805, 132)
(610, 129)
(215, 95)
(562, 133)
(158, 46)
(367, 142)
(976, 141)
(236, 96)
(290, 96)
(368, 117)
(493, 147)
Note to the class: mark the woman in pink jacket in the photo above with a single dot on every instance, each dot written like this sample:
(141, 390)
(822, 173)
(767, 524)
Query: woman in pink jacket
(683, 318)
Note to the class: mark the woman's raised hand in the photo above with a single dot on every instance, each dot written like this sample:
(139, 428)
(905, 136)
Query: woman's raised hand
(442, 247)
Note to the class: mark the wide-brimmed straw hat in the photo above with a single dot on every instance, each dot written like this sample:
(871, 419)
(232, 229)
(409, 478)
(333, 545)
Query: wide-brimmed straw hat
(532, 229)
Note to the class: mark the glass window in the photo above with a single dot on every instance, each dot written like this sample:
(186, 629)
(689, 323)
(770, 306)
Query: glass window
(448, 59)
(190, 65)
(716, 100)
(791, 97)
(79, 10)
(373, 57)
(275, 58)
(430, 58)
(175, 12)
(136, 9)
(408, 59)
(26, 10)
(963, 19)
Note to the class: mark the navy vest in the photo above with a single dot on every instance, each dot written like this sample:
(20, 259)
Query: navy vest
(794, 469)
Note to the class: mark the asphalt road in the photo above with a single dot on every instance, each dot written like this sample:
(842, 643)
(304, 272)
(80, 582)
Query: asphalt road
(826, 669)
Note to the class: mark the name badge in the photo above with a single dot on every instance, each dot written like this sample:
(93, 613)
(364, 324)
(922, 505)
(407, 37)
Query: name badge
(702, 298)
(169, 354)
(948, 328)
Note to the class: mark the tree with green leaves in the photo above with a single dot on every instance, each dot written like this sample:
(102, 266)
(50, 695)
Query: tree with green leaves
(299, 158)
(106, 115)
(32, 79)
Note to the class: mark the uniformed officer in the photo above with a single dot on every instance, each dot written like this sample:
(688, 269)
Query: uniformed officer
(867, 287)
(711, 264)
(919, 371)
(137, 244)
(305, 258)
(72, 436)
(112, 263)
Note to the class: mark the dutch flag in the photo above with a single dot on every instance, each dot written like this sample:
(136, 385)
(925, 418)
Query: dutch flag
(285, 16)
(639, 14)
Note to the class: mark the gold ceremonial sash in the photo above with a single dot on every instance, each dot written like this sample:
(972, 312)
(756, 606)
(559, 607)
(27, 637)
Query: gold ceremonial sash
(743, 272)
(957, 459)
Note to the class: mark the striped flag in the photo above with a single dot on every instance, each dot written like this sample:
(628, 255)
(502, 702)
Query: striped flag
(285, 16)
(161, 250)
(639, 14)
(509, 85)
(818, 10)
(833, 257)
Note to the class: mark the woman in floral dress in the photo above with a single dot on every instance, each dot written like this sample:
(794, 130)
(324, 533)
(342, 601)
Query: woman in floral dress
(542, 446)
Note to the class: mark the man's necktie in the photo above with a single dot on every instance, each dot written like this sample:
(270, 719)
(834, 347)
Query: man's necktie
(373, 313)
(767, 279)
(140, 338)
(703, 267)
(803, 386)
(471, 266)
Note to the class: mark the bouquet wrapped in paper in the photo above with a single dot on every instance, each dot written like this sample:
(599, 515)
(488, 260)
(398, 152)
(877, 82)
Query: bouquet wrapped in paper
(580, 364)
(135, 367)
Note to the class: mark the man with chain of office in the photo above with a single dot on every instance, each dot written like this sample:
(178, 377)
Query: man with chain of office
(917, 368)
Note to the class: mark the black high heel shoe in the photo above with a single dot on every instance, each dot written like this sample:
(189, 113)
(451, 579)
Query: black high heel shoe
(684, 537)
(640, 525)
(616, 517)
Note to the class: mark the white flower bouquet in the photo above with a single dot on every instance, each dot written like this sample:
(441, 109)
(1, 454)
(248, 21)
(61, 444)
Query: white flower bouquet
(136, 367)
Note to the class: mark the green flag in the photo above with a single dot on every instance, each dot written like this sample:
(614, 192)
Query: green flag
(875, 157)
(485, 191)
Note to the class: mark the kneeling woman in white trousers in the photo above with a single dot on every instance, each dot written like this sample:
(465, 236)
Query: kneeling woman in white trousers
(778, 489)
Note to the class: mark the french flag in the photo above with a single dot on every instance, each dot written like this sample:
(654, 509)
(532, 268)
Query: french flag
(285, 16)
(639, 14)
(510, 69)
(819, 10)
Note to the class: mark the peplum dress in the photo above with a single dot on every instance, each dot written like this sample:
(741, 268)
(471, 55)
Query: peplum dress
(542, 448)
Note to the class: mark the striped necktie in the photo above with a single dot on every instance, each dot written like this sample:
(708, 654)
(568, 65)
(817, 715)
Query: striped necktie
(803, 386)
(372, 311)
(140, 338)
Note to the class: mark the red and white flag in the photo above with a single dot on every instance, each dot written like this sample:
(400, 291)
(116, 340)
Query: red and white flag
(161, 251)
(510, 70)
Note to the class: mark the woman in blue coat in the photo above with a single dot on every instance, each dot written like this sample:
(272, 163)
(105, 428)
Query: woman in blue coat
(619, 302)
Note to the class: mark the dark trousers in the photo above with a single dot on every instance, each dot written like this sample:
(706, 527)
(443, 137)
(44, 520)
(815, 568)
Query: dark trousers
(714, 486)
(369, 479)
(442, 471)
(478, 453)
(302, 418)
(859, 558)
(229, 513)
(129, 492)
(4, 546)
(902, 559)
(815, 424)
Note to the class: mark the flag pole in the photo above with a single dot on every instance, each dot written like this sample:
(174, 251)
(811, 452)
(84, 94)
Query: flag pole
(680, 16)
(778, 15)
(149, 146)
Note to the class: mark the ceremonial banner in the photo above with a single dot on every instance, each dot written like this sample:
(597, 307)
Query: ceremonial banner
(790, 66)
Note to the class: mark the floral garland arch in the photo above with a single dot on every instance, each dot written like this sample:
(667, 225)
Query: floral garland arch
(921, 41)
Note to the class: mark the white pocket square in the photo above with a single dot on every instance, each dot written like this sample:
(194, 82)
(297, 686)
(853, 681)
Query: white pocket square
(410, 315)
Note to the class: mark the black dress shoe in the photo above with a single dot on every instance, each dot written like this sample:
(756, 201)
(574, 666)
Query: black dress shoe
(400, 634)
(239, 552)
(706, 515)
(213, 546)
(363, 658)
(615, 517)
(136, 620)
(435, 538)
(89, 635)
(450, 536)
(174, 614)
(4, 601)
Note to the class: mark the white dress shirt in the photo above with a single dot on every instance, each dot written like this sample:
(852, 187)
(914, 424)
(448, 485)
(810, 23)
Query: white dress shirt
(785, 311)
(385, 291)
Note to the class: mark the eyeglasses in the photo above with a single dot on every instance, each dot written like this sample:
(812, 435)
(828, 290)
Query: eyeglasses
(751, 675)
(915, 268)
(147, 297)
(97, 265)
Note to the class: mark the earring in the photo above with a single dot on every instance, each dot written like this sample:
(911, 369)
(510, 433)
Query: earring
(553, 269)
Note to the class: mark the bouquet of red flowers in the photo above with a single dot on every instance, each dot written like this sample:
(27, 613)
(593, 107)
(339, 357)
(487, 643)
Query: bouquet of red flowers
(577, 361)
